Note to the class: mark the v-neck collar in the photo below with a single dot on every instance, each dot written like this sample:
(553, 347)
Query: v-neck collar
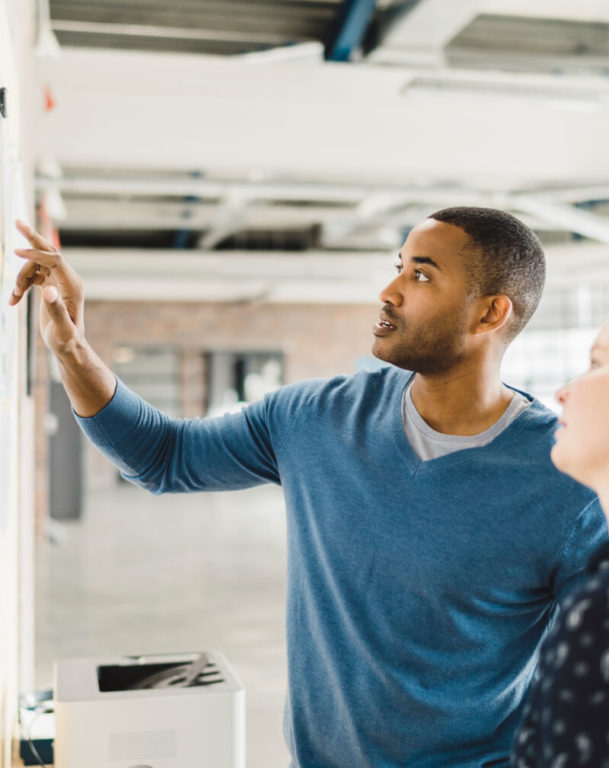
(417, 466)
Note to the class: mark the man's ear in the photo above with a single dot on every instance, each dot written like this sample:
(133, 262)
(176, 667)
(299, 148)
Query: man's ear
(497, 310)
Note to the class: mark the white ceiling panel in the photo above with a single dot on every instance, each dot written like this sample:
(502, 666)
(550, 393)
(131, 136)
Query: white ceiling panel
(145, 111)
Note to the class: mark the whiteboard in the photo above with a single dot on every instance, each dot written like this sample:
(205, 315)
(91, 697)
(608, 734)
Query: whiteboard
(12, 205)
(15, 498)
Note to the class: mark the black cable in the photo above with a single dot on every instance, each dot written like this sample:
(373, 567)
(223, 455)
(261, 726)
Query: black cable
(28, 731)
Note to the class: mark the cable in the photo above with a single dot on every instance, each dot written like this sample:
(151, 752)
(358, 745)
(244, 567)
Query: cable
(40, 703)
(28, 734)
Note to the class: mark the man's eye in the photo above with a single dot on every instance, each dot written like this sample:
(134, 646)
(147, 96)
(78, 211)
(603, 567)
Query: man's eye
(420, 277)
(398, 266)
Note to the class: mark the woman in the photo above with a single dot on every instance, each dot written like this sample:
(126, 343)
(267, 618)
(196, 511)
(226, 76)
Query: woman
(566, 717)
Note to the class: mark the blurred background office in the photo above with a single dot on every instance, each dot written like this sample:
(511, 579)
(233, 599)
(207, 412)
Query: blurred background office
(233, 180)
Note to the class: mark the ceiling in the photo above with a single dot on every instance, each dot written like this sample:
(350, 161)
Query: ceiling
(321, 127)
(542, 43)
(219, 27)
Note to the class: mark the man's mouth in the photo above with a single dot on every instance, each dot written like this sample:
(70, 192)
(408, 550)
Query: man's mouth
(383, 326)
(385, 319)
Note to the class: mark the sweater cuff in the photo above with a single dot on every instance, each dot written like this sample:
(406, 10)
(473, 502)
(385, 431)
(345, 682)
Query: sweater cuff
(108, 425)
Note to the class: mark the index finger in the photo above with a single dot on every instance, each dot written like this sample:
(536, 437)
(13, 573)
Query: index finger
(31, 274)
(36, 239)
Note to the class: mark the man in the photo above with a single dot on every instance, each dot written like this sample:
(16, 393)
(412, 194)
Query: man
(429, 535)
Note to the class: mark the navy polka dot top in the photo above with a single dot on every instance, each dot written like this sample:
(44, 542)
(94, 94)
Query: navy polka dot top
(566, 716)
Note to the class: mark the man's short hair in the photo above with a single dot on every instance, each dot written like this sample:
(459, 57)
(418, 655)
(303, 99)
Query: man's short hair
(506, 258)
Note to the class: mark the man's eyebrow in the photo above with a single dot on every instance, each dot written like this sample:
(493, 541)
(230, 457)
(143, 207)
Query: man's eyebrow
(422, 260)
(426, 260)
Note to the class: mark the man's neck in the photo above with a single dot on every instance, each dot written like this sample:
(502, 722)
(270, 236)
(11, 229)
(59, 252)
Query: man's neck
(460, 403)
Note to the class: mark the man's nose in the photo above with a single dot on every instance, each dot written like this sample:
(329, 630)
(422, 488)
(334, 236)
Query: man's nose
(391, 293)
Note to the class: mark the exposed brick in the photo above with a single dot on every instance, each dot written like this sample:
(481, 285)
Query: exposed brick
(315, 340)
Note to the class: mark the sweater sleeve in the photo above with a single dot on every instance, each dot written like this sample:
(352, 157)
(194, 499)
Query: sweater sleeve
(588, 533)
(165, 455)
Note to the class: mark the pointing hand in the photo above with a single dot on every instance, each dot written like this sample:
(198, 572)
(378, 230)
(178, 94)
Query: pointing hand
(61, 311)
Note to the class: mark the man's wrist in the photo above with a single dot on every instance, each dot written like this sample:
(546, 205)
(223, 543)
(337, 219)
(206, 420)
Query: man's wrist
(73, 353)
(89, 383)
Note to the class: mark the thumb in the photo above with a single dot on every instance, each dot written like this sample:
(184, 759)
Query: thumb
(57, 309)
(50, 294)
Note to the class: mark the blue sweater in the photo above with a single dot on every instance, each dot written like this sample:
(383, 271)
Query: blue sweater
(418, 592)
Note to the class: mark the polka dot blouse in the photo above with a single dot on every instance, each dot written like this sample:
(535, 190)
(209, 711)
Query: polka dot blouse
(566, 716)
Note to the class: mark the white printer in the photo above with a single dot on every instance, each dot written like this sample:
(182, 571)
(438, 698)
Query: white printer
(166, 711)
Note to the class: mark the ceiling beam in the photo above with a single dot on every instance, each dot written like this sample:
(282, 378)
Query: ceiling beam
(140, 30)
(320, 192)
(308, 121)
(229, 218)
(309, 278)
(421, 35)
(307, 51)
(121, 213)
(564, 217)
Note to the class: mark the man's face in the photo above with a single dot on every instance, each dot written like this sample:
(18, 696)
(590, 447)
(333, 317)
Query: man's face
(427, 313)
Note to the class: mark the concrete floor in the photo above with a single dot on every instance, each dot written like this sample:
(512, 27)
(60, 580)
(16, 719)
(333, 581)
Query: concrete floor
(142, 574)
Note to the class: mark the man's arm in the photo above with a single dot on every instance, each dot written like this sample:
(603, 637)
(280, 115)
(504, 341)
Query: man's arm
(152, 450)
(88, 381)
(165, 455)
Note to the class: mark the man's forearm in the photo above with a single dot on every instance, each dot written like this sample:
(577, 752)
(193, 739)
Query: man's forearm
(88, 381)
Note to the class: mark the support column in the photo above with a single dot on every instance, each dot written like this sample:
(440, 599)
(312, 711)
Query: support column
(192, 383)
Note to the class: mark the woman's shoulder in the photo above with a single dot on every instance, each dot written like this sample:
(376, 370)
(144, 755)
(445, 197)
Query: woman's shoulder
(587, 603)
(586, 606)
(599, 561)
(577, 646)
(566, 711)
(588, 593)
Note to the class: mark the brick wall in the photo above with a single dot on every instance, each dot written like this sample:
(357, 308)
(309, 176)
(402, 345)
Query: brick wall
(316, 341)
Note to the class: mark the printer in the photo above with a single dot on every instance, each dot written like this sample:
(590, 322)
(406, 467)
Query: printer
(163, 711)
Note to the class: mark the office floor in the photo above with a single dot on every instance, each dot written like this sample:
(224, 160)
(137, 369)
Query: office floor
(142, 574)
